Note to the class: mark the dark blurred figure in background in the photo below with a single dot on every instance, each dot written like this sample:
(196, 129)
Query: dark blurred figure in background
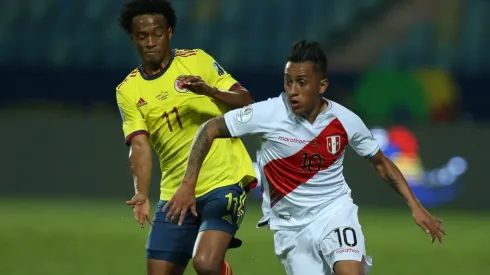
(162, 104)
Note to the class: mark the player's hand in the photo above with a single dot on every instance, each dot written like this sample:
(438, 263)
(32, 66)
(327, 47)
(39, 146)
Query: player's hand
(141, 208)
(194, 84)
(183, 200)
(430, 224)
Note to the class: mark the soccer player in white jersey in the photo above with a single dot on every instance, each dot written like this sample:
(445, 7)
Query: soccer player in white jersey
(314, 220)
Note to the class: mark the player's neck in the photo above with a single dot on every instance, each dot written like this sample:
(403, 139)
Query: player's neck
(311, 117)
(153, 69)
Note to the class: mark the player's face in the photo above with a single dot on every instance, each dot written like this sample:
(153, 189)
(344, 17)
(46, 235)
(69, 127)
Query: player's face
(152, 37)
(304, 87)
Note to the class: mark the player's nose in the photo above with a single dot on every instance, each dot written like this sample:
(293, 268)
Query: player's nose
(150, 42)
(292, 92)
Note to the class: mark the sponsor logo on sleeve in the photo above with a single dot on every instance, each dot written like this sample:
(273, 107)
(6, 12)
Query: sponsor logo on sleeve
(218, 68)
(245, 114)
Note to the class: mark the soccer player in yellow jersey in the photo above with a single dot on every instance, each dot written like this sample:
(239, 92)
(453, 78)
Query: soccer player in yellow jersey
(163, 102)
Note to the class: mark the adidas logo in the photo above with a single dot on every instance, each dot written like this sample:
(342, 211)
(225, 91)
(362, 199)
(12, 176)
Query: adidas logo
(141, 102)
(228, 218)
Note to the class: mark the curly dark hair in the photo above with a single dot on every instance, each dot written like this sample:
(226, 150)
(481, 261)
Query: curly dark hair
(309, 51)
(134, 8)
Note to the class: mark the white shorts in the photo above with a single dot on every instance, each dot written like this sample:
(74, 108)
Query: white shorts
(314, 249)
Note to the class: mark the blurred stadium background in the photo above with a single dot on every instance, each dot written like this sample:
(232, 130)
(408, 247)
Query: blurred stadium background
(417, 71)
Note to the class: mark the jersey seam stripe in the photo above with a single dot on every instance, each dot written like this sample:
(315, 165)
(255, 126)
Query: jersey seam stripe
(185, 54)
(135, 133)
(235, 86)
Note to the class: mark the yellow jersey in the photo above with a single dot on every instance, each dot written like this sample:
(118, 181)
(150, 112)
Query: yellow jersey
(170, 116)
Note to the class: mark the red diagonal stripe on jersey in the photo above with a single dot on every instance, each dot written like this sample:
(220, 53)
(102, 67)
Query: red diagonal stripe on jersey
(285, 175)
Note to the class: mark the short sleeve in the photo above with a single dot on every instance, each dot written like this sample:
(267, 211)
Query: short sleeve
(213, 74)
(360, 138)
(133, 122)
(252, 119)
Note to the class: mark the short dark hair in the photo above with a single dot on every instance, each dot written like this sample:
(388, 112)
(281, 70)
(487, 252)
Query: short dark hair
(133, 8)
(309, 51)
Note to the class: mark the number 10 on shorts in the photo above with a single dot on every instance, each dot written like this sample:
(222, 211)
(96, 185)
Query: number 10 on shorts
(236, 206)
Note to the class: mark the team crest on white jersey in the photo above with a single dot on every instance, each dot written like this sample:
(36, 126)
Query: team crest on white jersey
(333, 144)
(177, 86)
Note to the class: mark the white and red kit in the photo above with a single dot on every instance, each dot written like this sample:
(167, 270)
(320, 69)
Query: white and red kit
(311, 210)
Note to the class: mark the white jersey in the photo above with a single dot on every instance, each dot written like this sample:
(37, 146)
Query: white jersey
(302, 162)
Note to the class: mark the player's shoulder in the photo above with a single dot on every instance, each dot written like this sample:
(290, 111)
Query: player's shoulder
(346, 116)
(191, 58)
(340, 109)
(190, 55)
(270, 111)
(128, 82)
(271, 105)
(186, 53)
(265, 111)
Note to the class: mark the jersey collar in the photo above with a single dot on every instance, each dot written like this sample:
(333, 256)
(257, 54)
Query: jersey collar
(160, 73)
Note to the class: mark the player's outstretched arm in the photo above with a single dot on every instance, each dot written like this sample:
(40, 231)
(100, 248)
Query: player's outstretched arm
(141, 165)
(390, 173)
(206, 134)
(184, 199)
(136, 135)
(220, 85)
(236, 97)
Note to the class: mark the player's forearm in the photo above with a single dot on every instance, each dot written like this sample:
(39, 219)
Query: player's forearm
(392, 175)
(141, 165)
(233, 99)
(206, 134)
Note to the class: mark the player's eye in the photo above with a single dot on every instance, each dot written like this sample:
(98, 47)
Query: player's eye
(302, 82)
(289, 81)
(159, 35)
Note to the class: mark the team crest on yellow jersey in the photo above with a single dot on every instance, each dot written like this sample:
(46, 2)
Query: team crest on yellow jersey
(178, 88)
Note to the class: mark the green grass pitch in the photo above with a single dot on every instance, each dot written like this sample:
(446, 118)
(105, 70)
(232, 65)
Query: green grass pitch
(96, 237)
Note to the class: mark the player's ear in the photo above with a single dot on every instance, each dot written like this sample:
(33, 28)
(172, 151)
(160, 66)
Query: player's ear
(323, 85)
(132, 38)
(170, 33)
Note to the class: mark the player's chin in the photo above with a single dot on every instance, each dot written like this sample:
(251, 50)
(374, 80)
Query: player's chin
(152, 59)
(297, 110)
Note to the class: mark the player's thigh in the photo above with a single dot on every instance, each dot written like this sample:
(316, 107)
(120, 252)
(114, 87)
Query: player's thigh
(221, 212)
(296, 252)
(169, 244)
(210, 250)
(159, 267)
(343, 247)
(222, 209)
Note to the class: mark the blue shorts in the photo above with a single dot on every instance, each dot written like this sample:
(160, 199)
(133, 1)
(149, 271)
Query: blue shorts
(222, 209)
